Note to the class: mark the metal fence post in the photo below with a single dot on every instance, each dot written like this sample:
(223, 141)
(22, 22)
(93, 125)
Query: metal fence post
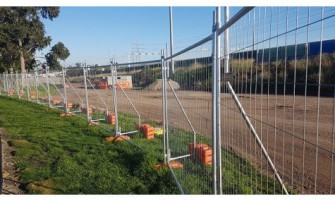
(17, 84)
(86, 95)
(164, 101)
(28, 86)
(171, 40)
(36, 86)
(113, 70)
(64, 88)
(214, 104)
(218, 99)
(48, 86)
(166, 77)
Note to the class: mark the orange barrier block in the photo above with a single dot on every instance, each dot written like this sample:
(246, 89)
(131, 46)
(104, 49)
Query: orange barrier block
(110, 118)
(206, 152)
(202, 151)
(142, 126)
(148, 131)
(103, 85)
(149, 137)
(206, 160)
(69, 105)
(197, 147)
(11, 92)
(55, 101)
(32, 92)
(90, 111)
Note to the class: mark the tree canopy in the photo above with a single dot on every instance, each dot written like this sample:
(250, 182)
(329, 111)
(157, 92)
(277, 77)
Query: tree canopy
(57, 52)
(22, 34)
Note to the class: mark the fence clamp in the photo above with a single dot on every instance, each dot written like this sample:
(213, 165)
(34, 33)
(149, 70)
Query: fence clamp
(228, 77)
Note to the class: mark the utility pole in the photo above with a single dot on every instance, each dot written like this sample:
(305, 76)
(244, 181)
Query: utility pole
(171, 40)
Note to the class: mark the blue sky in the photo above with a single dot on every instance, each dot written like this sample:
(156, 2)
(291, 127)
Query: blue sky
(94, 33)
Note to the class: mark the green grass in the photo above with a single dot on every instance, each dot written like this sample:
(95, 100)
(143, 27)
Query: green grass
(65, 155)
(68, 156)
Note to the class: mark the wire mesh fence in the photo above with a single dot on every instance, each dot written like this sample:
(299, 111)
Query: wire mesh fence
(280, 59)
(189, 119)
(258, 117)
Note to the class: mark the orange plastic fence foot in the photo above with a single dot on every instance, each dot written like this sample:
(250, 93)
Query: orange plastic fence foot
(94, 123)
(66, 115)
(173, 165)
(117, 139)
(176, 164)
(158, 166)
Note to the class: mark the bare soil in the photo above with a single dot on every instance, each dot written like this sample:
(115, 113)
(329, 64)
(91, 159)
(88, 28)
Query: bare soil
(11, 183)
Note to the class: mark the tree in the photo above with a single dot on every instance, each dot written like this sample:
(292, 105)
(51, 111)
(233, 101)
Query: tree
(78, 64)
(57, 52)
(22, 33)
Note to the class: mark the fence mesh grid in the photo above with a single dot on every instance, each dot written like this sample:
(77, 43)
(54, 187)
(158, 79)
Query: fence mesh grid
(277, 103)
(280, 59)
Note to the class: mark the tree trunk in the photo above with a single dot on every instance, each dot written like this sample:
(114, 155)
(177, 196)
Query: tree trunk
(22, 62)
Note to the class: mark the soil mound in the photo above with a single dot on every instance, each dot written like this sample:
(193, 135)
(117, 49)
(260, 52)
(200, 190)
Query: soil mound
(158, 85)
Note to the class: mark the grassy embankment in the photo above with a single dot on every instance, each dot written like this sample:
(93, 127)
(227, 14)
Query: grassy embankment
(65, 155)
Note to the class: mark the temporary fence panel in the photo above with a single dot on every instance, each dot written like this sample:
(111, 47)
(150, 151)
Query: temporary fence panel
(54, 81)
(139, 94)
(281, 66)
(75, 91)
(189, 108)
(248, 109)
(2, 84)
(73, 86)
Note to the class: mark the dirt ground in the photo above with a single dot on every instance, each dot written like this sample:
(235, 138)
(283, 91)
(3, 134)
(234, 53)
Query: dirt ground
(298, 137)
(11, 185)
